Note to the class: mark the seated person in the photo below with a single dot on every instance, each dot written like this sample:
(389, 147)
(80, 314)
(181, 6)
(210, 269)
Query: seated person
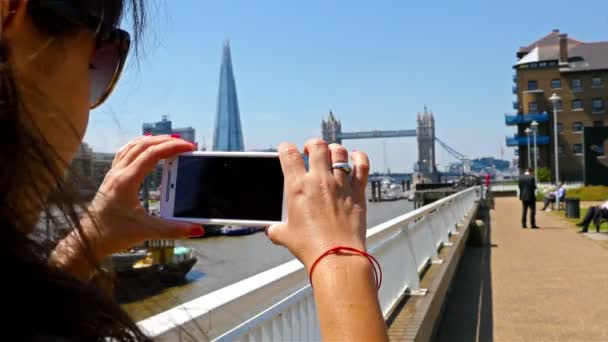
(594, 213)
(551, 196)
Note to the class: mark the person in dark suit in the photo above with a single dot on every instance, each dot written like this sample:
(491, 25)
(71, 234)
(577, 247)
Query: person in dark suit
(527, 195)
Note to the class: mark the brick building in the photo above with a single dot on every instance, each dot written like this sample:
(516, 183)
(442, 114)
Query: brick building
(575, 71)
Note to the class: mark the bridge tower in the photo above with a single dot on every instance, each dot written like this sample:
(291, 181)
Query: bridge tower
(425, 133)
(331, 129)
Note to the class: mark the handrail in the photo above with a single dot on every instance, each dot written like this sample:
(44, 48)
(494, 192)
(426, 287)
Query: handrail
(278, 304)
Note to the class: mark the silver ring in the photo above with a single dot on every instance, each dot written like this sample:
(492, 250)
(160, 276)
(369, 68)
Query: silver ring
(342, 166)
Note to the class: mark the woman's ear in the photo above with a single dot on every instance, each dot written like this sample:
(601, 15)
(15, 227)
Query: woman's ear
(12, 15)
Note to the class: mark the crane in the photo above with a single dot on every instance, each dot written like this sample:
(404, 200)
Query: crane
(466, 161)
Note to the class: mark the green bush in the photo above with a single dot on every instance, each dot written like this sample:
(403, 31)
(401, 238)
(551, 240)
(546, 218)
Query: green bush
(544, 175)
(589, 193)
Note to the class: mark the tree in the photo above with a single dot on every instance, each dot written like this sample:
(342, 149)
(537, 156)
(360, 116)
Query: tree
(544, 174)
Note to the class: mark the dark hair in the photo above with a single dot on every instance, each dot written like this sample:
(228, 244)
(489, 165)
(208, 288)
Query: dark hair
(529, 170)
(45, 303)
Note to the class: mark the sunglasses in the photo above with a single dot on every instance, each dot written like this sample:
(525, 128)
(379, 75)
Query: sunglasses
(111, 46)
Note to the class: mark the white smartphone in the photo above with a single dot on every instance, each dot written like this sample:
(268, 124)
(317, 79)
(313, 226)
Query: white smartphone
(224, 188)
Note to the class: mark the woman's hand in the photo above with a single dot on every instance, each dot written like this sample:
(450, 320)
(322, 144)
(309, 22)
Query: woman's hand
(325, 207)
(118, 220)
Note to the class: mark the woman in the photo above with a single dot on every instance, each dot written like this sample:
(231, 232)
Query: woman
(58, 59)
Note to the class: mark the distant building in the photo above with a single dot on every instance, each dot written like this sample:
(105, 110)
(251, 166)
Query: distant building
(89, 169)
(331, 129)
(577, 72)
(228, 133)
(186, 133)
(165, 126)
(425, 136)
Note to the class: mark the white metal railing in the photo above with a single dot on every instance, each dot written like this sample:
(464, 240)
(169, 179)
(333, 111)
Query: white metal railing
(542, 187)
(278, 304)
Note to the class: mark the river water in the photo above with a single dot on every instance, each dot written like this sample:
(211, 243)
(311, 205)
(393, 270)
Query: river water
(225, 260)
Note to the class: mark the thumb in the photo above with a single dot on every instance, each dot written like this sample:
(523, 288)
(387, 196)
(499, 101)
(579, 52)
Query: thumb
(159, 228)
(277, 233)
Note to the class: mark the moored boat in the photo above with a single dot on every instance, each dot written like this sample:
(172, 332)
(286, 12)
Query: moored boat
(160, 265)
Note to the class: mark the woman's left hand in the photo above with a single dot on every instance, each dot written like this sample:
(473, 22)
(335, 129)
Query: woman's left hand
(117, 220)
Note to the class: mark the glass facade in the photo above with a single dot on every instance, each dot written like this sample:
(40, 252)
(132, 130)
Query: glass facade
(228, 133)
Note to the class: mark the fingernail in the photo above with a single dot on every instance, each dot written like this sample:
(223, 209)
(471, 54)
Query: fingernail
(175, 135)
(148, 134)
(197, 231)
(355, 151)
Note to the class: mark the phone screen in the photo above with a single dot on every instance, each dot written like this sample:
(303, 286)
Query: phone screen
(221, 187)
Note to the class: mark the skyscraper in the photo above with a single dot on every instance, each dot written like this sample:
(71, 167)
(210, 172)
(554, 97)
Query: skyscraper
(228, 134)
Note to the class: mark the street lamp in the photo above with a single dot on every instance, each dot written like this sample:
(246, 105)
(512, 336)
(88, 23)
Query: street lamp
(528, 131)
(534, 125)
(555, 98)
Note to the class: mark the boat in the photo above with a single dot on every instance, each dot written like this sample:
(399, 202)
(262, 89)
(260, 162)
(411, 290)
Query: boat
(126, 260)
(144, 272)
(390, 190)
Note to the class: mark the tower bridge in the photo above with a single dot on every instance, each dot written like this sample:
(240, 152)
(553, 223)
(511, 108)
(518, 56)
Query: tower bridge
(424, 133)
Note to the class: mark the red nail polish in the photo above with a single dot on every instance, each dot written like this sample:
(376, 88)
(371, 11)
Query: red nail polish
(197, 231)
(175, 135)
(148, 134)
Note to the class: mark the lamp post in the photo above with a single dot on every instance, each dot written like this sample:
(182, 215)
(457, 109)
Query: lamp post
(528, 131)
(554, 99)
(534, 125)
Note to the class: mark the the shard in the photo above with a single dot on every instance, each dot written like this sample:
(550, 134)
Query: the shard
(228, 133)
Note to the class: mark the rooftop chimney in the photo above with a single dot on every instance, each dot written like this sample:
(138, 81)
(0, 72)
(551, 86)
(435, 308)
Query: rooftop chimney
(563, 48)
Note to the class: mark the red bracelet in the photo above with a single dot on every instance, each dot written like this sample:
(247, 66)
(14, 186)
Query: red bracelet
(370, 258)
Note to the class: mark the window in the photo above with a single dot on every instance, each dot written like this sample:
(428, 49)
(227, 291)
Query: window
(556, 83)
(532, 85)
(560, 149)
(577, 104)
(560, 128)
(577, 148)
(577, 127)
(577, 84)
(532, 107)
(598, 123)
(597, 82)
(559, 105)
(598, 105)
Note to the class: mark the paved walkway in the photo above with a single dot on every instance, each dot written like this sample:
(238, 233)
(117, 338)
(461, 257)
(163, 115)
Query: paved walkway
(549, 284)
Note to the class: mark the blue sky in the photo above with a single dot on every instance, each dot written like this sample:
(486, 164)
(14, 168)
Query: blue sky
(374, 63)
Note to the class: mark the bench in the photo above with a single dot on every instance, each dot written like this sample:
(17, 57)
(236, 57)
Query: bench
(562, 203)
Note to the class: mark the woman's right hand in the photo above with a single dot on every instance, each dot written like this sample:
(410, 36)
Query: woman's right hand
(325, 207)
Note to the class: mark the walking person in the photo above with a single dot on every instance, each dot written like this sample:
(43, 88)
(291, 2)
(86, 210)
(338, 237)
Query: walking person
(527, 195)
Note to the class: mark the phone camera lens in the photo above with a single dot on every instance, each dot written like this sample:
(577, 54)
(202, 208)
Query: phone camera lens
(172, 185)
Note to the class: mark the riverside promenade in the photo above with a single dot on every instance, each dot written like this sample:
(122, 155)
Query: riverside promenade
(548, 284)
